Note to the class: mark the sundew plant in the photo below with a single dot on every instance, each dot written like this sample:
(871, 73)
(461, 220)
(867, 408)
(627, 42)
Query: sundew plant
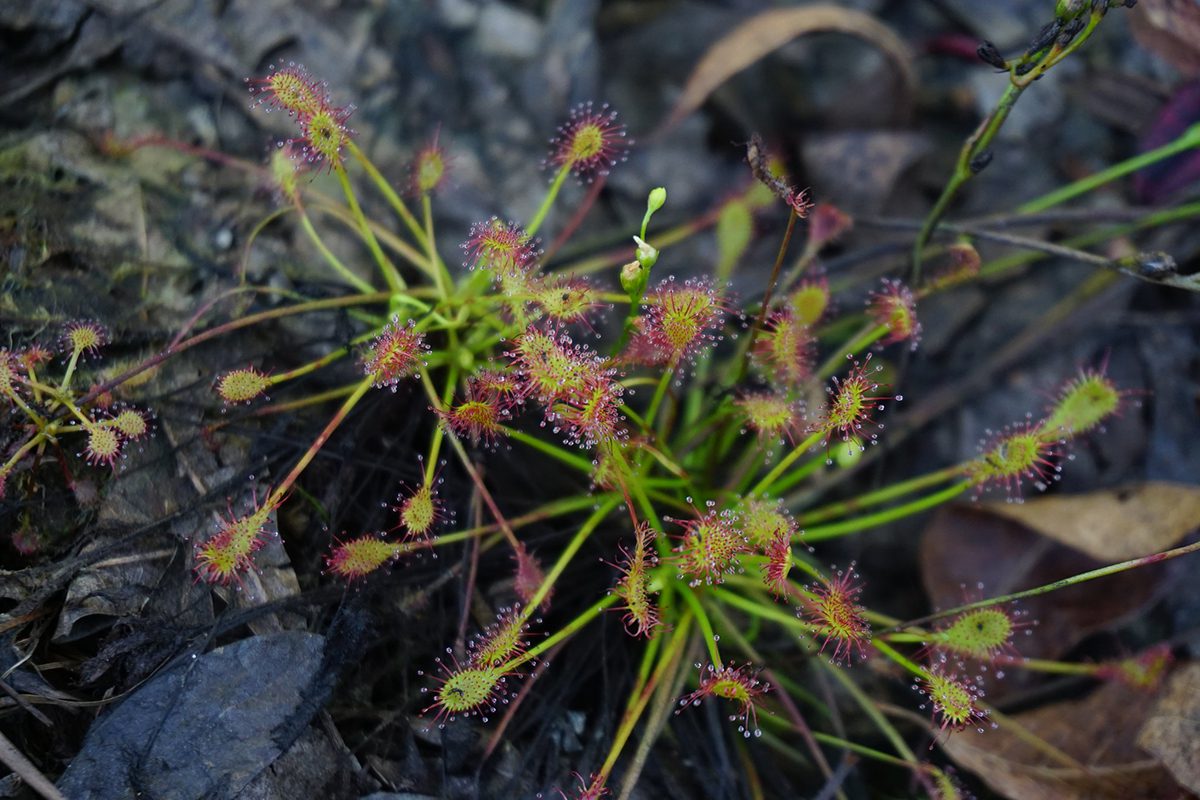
(691, 422)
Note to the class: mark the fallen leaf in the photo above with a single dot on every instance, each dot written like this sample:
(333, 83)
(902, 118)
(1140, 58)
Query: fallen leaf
(1170, 28)
(1172, 732)
(1115, 524)
(968, 545)
(1093, 755)
(766, 32)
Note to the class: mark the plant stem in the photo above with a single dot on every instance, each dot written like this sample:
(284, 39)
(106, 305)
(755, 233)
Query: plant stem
(303, 402)
(771, 612)
(556, 508)
(1044, 665)
(1163, 217)
(540, 216)
(1082, 577)
(660, 392)
(761, 319)
(441, 275)
(1188, 140)
(554, 451)
(394, 282)
(333, 261)
(564, 560)
(242, 322)
(878, 496)
(797, 719)
(670, 656)
(385, 236)
(863, 339)
(277, 495)
(836, 529)
(563, 633)
(895, 655)
(706, 629)
(34, 440)
(786, 462)
(869, 708)
(386, 190)
(977, 143)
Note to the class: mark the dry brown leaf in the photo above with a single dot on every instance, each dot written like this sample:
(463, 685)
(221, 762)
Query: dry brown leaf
(1113, 525)
(770, 30)
(1171, 28)
(1098, 757)
(965, 545)
(1173, 730)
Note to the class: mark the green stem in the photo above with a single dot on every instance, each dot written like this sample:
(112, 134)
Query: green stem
(1164, 217)
(21, 452)
(669, 657)
(896, 656)
(386, 237)
(862, 750)
(1189, 140)
(565, 632)
(12, 395)
(326, 253)
(441, 275)
(241, 322)
(312, 366)
(710, 638)
(800, 473)
(862, 340)
(556, 508)
(836, 529)
(564, 560)
(976, 144)
(540, 216)
(869, 708)
(1055, 667)
(253, 236)
(281, 490)
(394, 282)
(66, 378)
(1082, 577)
(786, 462)
(660, 392)
(880, 495)
(439, 431)
(552, 450)
(771, 612)
(388, 192)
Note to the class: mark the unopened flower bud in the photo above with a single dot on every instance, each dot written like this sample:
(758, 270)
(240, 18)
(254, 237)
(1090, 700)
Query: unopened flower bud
(647, 256)
(632, 277)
